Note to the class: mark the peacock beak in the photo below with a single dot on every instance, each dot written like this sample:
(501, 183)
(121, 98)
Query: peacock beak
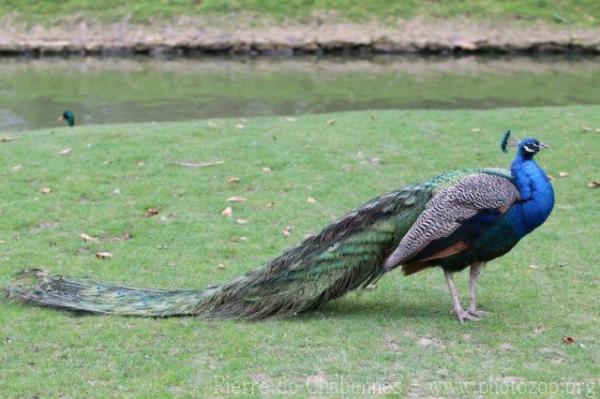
(542, 146)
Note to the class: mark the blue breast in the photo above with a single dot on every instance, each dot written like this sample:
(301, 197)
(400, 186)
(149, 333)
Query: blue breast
(537, 196)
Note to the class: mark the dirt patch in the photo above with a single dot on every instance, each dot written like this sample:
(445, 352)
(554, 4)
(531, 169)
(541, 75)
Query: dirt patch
(197, 37)
(43, 226)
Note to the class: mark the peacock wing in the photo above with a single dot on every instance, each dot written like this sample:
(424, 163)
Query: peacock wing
(449, 208)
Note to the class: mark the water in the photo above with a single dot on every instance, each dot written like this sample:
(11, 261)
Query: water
(33, 93)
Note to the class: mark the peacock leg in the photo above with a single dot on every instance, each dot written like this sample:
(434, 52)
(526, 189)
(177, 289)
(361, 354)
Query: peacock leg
(457, 308)
(474, 274)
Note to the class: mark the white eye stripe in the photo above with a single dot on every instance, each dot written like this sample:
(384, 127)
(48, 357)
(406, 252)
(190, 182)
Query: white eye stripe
(526, 148)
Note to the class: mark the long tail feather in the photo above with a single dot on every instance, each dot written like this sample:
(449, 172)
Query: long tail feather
(344, 256)
(38, 287)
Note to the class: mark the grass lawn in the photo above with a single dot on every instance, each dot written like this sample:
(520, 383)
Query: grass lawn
(566, 12)
(399, 338)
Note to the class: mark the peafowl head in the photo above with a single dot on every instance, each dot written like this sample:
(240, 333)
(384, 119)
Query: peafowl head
(69, 117)
(526, 148)
(529, 147)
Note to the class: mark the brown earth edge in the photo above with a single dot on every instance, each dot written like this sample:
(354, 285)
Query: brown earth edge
(192, 37)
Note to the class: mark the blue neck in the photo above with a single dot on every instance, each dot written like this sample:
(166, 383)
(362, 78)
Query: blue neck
(537, 195)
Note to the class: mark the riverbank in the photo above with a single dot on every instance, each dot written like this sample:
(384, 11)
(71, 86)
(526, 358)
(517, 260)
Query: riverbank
(197, 36)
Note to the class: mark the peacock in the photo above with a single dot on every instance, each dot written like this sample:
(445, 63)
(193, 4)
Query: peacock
(458, 219)
(69, 117)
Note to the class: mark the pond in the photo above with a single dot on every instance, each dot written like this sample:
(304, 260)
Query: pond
(33, 92)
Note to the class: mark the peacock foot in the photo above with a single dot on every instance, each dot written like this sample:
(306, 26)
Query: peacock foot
(462, 315)
(477, 312)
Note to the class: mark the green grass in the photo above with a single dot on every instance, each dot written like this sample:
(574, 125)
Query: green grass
(576, 12)
(399, 337)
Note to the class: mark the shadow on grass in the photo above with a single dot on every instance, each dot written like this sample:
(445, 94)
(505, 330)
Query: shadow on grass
(343, 309)
(388, 310)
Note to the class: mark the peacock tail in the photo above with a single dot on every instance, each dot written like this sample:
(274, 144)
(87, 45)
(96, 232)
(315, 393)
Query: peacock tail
(344, 256)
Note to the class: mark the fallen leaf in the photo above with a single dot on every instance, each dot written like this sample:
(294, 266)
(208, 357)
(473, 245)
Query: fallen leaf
(505, 347)
(375, 160)
(534, 267)
(103, 255)
(311, 200)
(290, 119)
(267, 169)
(317, 379)
(330, 122)
(45, 190)
(140, 164)
(88, 238)
(107, 162)
(6, 139)
(593, 184)
(242, 238)
(287, 231)
(17, 167)
(370, 287)
(236, 198)
(2, 242)
(241, 221)
(586, 128)
(239, 126)
(552, 178)
(270, 204)
(261, 378)
(539, 330)
(213, 124)
(425, 342)
(442, 373)
(563, 174)
(476, 130)
(151, 212)
(117, 191)
(221, 266)
(66, 151)
(233, 179)
(373, 116)
(193, 164)
(227, 212)
(568, 340)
